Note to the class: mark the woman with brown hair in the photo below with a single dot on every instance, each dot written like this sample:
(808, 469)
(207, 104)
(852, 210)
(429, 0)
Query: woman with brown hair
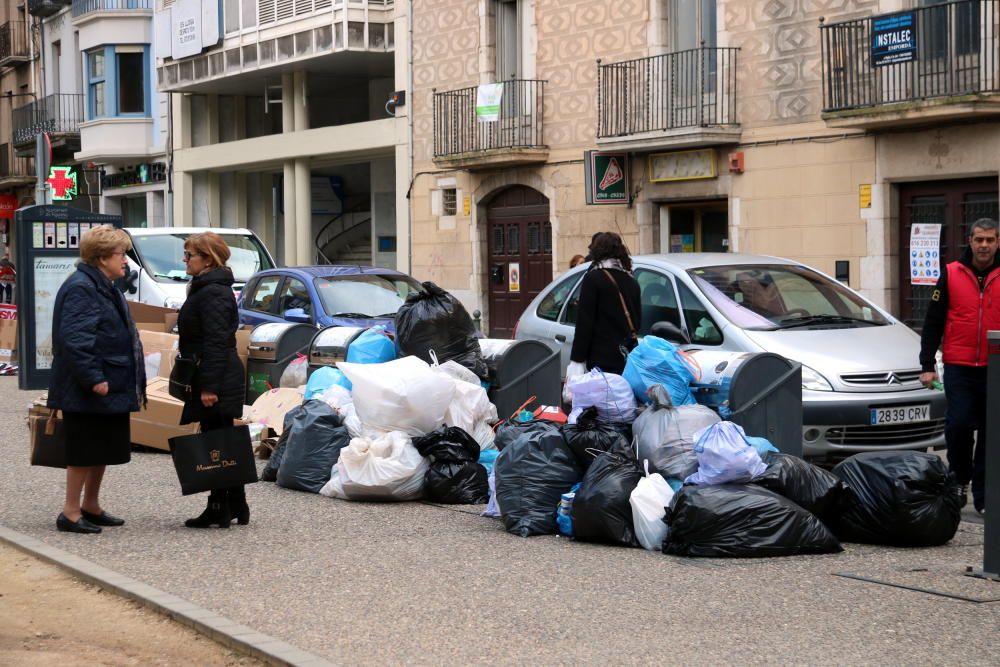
(207, 326)
(98, 375)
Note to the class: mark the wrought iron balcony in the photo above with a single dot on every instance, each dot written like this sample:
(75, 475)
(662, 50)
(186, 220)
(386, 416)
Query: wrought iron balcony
(515, 137)
(684, 98)
(84, 7)
(59, 114)
(14, 44)
(947, 66)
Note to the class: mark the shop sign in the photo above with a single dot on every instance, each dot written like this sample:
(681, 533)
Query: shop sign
(140, 174)
(925, 254)
(865, 195)
(894, 39)
(606, 176)
(8, 204)
(682, 165)
(62, 180)
(193, 25)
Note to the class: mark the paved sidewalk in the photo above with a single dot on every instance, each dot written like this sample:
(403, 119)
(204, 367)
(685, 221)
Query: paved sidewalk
(366, 583)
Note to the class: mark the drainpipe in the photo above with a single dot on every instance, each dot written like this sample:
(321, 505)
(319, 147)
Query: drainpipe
(409, 139)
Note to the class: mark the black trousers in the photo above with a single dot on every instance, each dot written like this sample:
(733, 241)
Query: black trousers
(965, 425)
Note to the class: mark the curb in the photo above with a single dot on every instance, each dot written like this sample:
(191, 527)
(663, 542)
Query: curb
(219, 628)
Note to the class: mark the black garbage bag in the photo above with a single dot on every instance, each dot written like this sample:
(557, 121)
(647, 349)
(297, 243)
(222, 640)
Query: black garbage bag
(316, 436)
(455, 476)
(270, 471)
(742, 521)
(808, 486)
(588, 437)
(664, 435)
(902, 499)
(601, 508)
(530, 476)
(510, 430)
(435, 320)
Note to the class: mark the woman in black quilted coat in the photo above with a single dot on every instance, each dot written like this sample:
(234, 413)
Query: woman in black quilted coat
(207, 327)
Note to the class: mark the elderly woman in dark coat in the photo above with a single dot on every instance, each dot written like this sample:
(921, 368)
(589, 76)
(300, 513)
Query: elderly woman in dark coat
(98, 375)
(207, 327)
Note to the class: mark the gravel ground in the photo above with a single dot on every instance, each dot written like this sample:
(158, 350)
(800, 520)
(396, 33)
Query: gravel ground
(419, 584)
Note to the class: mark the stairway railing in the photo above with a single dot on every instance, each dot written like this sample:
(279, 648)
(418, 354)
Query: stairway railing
(337, 227)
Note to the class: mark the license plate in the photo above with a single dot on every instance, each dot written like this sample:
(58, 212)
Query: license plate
(906, 414)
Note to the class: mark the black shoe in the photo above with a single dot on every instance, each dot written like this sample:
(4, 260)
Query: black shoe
(81, 525)
(216, 514)
(238, 507)
(102, 519)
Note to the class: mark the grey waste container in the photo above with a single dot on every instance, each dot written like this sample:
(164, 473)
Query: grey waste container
(519, 369)
(329, 346)
(272, 346)
(760, 392)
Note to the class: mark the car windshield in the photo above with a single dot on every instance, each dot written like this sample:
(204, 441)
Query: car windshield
(776, 296)
(163, 255)
(364, 295)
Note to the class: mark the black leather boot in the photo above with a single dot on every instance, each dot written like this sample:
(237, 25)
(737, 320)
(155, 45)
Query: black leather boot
(238, 507)
(216, 514)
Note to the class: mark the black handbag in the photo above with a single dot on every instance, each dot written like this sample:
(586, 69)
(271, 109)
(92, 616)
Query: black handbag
(216, 459)
(182, 378)
(48, 440)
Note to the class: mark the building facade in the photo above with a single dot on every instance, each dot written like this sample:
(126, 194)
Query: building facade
(284, 121)
(18, 50)
(774, 127)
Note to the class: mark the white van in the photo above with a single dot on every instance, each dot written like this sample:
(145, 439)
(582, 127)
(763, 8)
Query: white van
(157, 257)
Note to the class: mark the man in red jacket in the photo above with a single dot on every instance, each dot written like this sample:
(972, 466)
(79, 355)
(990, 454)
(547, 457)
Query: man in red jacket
(964, 306)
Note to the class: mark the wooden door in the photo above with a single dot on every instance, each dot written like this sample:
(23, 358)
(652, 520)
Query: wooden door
(954, 205)
(519, 246)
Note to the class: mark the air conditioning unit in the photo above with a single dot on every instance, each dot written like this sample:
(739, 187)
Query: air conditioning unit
(43, 8)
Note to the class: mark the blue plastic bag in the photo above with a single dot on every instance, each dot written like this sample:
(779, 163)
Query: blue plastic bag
(762, 445)
(657, 361)
(324, 378)
(487, 457)
(371, 347)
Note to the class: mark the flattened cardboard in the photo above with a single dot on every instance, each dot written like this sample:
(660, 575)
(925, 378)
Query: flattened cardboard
(8, 340)
(160, 421)
(270, 407)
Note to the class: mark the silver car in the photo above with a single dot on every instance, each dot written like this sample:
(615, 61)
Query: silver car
(860, 368)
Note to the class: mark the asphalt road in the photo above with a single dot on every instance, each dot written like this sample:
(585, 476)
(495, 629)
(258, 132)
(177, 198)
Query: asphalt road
(412, 583)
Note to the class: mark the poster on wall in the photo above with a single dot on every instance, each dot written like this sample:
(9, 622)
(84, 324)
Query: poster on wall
(514, 277)
(49, 275)
(925, 254)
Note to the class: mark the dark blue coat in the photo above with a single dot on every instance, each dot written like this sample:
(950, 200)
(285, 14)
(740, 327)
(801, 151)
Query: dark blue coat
(94, 340)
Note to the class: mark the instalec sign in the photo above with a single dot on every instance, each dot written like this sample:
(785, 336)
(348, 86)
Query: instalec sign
(894, 39)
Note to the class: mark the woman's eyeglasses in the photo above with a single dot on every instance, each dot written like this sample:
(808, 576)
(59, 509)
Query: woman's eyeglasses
(189, 255)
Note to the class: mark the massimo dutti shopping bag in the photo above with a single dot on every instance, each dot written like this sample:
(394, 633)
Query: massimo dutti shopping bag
(216, 459)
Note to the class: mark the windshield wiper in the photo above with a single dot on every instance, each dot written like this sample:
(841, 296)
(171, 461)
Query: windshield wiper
(392, 314)
(823, 319)
(353, 315)
(182, 279)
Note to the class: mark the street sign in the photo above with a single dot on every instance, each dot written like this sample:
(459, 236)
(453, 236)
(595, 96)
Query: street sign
(62, 180)
(606, 176)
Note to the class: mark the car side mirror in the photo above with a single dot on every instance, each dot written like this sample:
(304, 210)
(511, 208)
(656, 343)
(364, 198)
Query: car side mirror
(671, 332)
(296, 315)
(128, 283)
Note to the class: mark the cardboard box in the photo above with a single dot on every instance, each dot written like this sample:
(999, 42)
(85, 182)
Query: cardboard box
(160, 421)
(8, 332)
(163, 343)
(152, 318)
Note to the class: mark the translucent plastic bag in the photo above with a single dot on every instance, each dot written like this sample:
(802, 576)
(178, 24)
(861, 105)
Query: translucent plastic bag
(373, 346)
(609, 393)
(657, 361)
(470, 408)
(649, 501)
(665, 435)
(402, 395)
(724, 457)
(296, 373)
(385, 468)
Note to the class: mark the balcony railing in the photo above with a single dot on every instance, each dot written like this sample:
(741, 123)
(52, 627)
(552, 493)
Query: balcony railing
(457, 129)
(12, 166)
(13, 42)
(83, 7)
(693, 88)
(955, 54)
(55, 114)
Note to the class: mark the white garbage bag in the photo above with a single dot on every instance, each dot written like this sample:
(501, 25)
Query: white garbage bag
(296, 373)
(385, 468)
(724, 456)
(402, 395)
(609, 393)
(649, 500)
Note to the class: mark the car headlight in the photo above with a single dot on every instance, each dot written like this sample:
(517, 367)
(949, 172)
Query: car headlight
(813, 381)
(173, 302)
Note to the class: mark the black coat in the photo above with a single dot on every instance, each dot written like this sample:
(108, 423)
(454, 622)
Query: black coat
(207, 327)
(601, 325)
(93, 341)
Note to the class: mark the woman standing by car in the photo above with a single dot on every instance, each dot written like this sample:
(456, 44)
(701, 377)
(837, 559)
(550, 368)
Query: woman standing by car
(608, 317)
(98, 375)
(207, 326)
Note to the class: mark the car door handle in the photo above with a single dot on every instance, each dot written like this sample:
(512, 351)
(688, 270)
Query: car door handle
(561, 338)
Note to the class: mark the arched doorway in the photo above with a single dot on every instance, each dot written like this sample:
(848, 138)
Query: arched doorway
(519, 247)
